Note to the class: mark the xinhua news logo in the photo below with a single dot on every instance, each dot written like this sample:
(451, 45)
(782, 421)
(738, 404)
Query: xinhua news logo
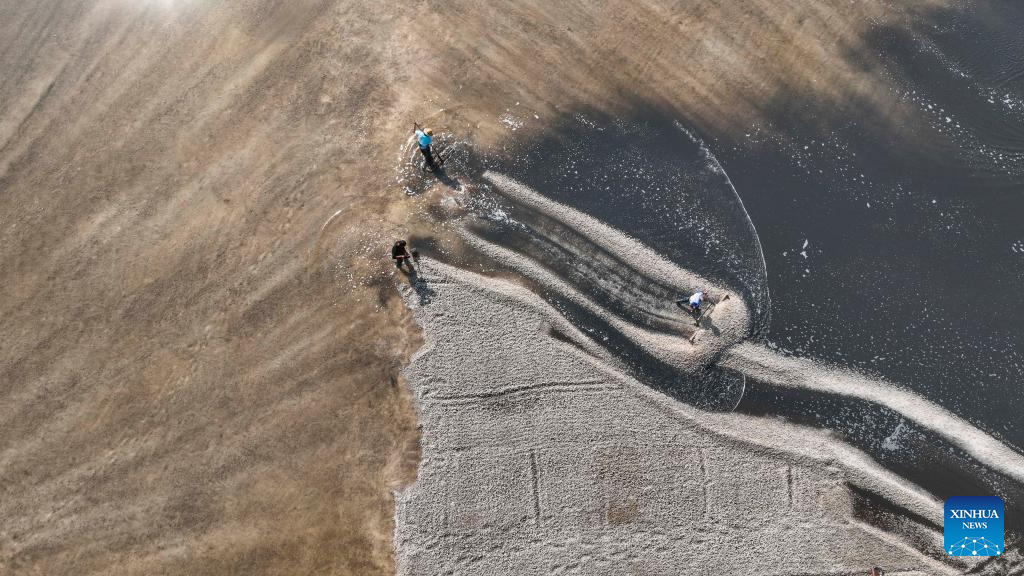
(974, 526)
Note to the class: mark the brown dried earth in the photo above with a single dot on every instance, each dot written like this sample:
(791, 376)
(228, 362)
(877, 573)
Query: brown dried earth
(199, 366)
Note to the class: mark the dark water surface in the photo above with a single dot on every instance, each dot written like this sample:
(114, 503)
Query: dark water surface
(899, 250)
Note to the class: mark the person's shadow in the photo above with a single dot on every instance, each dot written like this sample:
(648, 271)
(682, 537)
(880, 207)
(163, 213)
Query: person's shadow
(419, 285)
(444, 178)
(708, 323)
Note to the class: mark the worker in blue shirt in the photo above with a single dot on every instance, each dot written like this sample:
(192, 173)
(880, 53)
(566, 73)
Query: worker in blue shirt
(425, 138)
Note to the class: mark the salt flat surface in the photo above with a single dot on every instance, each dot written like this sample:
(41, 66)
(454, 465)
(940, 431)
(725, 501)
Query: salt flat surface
(538, 457)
